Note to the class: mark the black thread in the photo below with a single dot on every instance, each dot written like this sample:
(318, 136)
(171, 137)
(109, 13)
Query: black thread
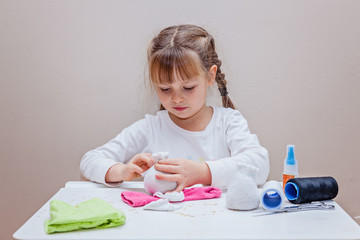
(303, 190)
(223, 91)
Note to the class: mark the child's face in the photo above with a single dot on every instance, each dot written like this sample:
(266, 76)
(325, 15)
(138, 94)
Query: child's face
(185, 98)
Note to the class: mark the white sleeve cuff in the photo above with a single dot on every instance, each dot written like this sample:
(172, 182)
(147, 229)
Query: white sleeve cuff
(218, 173)
(101, 170)
(223, 169)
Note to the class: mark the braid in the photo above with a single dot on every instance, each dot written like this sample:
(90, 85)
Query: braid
(220, 77)
(221, 82)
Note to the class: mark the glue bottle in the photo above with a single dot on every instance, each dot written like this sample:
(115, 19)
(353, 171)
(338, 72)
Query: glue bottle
(290, 165)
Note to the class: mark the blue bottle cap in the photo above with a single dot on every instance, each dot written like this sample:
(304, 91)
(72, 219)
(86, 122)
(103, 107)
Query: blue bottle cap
(290, 158)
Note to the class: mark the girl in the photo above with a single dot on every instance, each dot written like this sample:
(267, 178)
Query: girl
(205, 143)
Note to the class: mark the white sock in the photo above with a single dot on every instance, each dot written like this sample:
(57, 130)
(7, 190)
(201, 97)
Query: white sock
(242, 193)
(171, 196)
(151, 184)
(162, 205)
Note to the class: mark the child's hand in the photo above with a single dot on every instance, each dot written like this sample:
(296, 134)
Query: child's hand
(126, 172)
(137, 165)
(185, 172)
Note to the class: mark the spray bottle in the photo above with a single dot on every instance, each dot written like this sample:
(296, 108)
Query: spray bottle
(290, 165)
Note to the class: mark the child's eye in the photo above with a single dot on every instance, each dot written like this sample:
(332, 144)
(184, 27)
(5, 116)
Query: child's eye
(189, 88)
(164, 89)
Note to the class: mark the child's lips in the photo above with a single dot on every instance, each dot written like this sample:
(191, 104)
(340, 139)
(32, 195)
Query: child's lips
(180, 108)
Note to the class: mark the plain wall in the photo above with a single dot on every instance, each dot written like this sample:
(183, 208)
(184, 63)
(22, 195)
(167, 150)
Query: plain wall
(72, 77)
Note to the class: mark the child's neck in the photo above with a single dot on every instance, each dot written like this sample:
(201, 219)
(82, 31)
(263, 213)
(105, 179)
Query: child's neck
(195, 123)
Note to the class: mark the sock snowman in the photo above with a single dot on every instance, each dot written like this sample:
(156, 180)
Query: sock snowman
(153, 185)
(242, 193)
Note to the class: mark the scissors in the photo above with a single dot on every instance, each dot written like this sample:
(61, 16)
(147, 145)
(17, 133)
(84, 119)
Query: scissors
(302, 207)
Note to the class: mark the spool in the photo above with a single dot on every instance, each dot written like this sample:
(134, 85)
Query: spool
(272, 196)
(303, 190)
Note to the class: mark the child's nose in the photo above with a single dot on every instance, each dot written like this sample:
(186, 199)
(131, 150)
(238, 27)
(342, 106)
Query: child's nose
(177, 97)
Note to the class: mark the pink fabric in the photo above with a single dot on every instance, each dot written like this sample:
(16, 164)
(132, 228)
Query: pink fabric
(138, 199)
(198, 193)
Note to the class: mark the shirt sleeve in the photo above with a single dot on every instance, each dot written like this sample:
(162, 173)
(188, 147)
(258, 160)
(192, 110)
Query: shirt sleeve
(132, 140)
(244, 148)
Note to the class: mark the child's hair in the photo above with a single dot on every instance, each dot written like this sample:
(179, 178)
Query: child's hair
(185, 51)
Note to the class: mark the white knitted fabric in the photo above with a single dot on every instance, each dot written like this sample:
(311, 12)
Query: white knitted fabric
(162, 205)
(242, 193)
(171, 196)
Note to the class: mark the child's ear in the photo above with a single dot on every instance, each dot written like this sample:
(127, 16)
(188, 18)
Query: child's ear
(212, 73)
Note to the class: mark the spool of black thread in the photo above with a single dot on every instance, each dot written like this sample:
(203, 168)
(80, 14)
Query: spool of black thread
(303, 190)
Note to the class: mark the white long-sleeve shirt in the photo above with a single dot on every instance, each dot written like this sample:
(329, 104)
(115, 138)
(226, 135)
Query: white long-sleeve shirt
(225, 142)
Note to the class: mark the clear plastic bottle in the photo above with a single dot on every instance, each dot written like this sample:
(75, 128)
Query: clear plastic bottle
(290, 165)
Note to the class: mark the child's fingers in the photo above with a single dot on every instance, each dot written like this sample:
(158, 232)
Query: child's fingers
(166, 168)
(169, 177)
(149, 160)
(172, 161)
(179, 188)
(145, 158)
(137, 169)
(173, 178)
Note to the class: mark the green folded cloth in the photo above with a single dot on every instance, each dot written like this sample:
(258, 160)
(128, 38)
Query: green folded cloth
(94, 213)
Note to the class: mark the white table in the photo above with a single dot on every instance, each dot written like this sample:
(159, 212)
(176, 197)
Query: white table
(204, 219)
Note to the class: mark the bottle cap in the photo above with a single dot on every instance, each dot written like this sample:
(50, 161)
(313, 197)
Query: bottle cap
(290, 158)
